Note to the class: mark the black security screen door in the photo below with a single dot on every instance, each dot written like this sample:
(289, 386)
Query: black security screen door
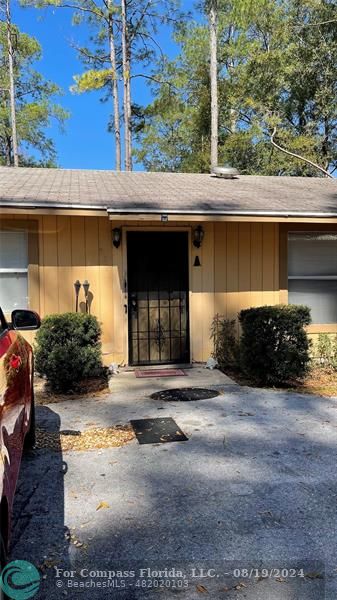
(158, 297)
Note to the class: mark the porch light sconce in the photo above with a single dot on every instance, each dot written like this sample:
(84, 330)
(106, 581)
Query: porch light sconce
(198, 236)
(77, 286)
(116, 237)
(86, 286)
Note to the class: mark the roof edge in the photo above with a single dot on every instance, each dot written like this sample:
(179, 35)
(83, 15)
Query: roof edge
(173, 212)
(56, 205)
(219, 213)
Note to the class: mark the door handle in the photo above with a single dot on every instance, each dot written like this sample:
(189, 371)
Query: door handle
(125, 308)
(133, 303)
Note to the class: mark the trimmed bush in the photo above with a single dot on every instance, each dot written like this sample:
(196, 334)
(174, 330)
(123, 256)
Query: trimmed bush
(326, 350)
(68, 350)
(226, 346)
(274, 346)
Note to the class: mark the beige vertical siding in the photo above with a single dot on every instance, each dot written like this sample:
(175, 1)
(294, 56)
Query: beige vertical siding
(239, 268)
(66, 249)
(246, 266)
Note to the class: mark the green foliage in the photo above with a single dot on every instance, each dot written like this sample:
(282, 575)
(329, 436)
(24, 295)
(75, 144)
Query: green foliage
(226, 347)
(91, 80)
(326, 350)
(35, 108)
(276, 68)
(68, 350)
(274, 346)
(103, 23)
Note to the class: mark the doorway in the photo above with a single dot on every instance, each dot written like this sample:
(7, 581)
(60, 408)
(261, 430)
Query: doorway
(158, 290)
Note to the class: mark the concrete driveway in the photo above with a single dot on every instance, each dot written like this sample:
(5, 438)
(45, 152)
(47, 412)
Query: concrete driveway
(248, 502)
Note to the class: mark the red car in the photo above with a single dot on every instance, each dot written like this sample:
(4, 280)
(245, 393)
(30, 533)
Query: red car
(17, 424)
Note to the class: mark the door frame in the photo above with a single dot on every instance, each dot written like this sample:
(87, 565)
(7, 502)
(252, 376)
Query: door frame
(149, 229)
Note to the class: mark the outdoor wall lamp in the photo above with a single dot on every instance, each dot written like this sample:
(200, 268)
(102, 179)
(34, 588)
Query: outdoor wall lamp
(198, 236)
(77, 286)
(116, 237)
(86, 286)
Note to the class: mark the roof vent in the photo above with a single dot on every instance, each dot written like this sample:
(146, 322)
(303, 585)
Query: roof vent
(225, 172)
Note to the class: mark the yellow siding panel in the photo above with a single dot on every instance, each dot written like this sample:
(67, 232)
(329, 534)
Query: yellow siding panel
(92, 265)
(50, 265)
(244, 300)
(256, 264)
(78, 258)
(276, 264)
(207, 295)
(66, 284)
(119, 299)
(106, 287)
(268, 241)
(232, 260)
(220, 268)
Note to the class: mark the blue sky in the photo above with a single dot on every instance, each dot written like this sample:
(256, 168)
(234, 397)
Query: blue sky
(86, 144)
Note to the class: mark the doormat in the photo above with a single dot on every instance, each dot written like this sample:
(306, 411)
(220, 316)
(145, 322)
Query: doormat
(185, 394)
(157, 431)
(161, 373)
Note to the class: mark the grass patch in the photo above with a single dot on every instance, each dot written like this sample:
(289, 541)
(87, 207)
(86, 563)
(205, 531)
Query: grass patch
(319, 382)
(322, 382)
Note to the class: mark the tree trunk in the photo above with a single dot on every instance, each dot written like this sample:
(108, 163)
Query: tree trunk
(213, 25)
(128, 62)
(115, 93)
(8, 148)
(11, 85)
(126, 84)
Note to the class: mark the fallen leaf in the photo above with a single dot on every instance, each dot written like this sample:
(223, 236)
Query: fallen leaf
(202, 589)
(239, 586)
(102, 505)
(314, 575)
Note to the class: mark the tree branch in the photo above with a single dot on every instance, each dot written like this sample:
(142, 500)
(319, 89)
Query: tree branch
(160, 81)
(301, 26)
(143, 35)
(97, 12)
(309, 162)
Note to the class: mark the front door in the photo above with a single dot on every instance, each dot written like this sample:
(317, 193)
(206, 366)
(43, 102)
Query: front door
(158, 297)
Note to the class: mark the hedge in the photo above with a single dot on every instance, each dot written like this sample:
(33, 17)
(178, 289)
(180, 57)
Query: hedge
(68, 350)
(274, 346)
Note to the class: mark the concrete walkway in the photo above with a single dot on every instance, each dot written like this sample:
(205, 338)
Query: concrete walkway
(253, 488)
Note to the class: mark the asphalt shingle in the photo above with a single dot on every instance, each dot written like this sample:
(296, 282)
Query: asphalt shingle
(166, 192)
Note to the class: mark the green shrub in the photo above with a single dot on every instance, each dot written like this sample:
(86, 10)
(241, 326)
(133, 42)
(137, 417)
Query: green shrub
(326, 350)
(226, 346)
(274, 346)
(68, 350)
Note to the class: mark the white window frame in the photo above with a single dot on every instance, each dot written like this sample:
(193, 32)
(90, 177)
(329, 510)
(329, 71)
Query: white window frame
(310, 277)
(18, 270)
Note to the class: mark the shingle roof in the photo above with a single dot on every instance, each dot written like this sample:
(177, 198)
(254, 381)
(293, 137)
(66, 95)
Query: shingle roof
(166, 192)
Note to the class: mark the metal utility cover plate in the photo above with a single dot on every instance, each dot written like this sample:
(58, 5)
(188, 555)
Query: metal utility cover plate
(157, 431)
(185, 394)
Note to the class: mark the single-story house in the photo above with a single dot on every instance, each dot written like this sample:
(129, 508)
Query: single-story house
(164, 252)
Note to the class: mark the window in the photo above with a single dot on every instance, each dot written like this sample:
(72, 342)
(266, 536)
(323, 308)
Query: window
(13, 270)
(312, 274)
